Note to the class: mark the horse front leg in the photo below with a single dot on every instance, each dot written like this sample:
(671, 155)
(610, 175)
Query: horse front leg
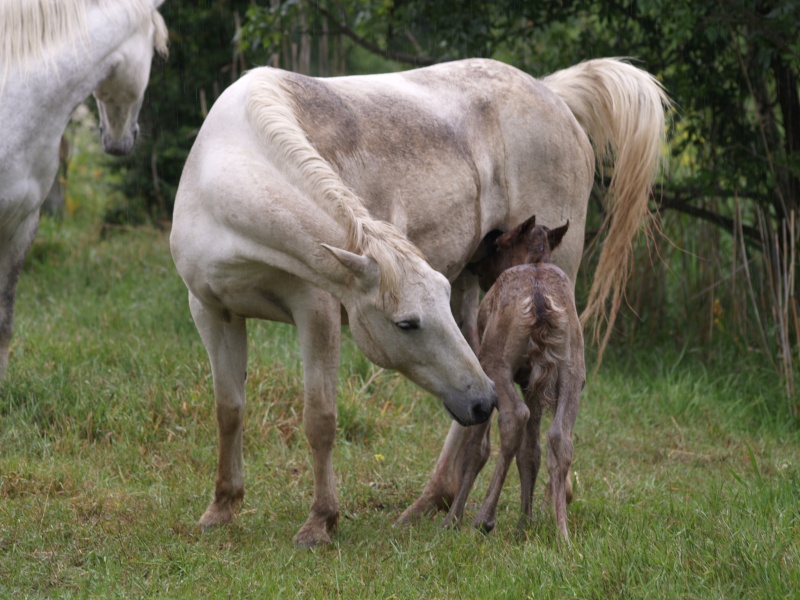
(319, 328)
(225, 338)
(12, 256)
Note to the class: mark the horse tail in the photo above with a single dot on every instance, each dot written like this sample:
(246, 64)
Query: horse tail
(270, 112)
(621, 108)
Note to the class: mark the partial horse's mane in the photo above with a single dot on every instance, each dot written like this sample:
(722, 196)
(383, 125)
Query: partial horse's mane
(30, 29)
(269, 111)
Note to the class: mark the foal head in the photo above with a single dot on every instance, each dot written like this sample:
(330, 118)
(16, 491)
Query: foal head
(119, 96)
(527, 243)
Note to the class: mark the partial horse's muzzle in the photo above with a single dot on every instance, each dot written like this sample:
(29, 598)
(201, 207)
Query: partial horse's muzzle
(473, 407)
(122, 146)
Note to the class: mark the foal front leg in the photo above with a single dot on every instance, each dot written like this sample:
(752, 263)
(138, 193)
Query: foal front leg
(512, 417)
(225, 338)
(318, 320)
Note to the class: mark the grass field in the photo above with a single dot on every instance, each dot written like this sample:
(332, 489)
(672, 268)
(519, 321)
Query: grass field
(687, 469)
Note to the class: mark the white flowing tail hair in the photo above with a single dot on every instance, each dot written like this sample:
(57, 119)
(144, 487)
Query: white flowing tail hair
(622, 110)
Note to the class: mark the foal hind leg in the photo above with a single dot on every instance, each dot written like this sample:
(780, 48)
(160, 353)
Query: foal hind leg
(560, 451)
(12, 256)
(529, 459)
(318, 318)
(225, 338)
(512, 417)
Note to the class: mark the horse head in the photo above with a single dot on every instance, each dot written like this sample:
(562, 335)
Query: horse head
(119, 96)
(415, 333)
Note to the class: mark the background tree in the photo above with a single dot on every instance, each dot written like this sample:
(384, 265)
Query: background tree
(731, 66)
(203, 61)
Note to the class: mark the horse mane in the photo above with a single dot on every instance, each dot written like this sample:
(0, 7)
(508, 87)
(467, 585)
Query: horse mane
(270, 112)
(30, 29)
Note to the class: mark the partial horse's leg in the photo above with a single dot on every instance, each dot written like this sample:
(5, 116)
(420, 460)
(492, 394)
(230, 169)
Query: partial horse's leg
(12, 256)
(529, 458)
(559, 445)
(512, 417)
(225, 338)
(445, 482)
(476, 453)
(318, 320)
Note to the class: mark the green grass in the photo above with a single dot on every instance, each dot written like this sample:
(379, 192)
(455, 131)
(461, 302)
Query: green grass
(687, 469)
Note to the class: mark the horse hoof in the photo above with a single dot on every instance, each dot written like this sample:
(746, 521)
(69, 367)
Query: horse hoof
(422, 507)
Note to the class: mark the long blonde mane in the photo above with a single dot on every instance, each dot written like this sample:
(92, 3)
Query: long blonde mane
(31, 29)
(269, 111)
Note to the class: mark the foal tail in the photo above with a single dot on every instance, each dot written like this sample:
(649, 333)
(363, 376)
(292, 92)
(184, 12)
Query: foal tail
(621, 108)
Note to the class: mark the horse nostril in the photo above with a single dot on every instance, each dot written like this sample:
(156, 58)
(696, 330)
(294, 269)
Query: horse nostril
(482, 411)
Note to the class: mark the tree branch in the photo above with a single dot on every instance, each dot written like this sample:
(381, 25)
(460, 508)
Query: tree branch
(751, 234)
(343, 28)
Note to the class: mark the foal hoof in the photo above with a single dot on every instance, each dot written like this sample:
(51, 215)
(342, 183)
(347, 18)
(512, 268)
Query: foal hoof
(485, 527)
(308, 538)
(317, 530)
(216, 514)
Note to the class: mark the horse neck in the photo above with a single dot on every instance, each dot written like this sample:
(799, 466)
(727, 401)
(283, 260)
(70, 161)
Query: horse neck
(73, 71)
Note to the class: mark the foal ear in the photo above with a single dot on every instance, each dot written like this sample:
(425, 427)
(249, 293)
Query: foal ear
(554, 236)
(519, 232)
(365, 270)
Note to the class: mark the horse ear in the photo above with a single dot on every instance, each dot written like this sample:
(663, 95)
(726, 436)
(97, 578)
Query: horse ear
(157, 3)
(554, 236)
(365, 270)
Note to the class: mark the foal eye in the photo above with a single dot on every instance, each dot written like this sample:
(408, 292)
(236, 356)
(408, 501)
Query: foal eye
(408, 325)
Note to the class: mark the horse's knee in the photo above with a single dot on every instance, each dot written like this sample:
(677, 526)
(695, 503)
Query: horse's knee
(319, 422)
(559, 450)
(512, 424)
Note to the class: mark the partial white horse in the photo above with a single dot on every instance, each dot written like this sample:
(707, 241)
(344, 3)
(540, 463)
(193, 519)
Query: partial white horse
(53, 55)
(303, 196)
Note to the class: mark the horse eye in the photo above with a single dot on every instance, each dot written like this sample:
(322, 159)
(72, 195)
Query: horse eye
(408, 325)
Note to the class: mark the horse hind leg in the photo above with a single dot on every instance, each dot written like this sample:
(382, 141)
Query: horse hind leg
(318, 323)
(225, 339)
(472, 460)
(445, 482)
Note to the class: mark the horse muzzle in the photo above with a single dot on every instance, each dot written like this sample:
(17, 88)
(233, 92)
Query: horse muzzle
(122, 146)
(471, 408)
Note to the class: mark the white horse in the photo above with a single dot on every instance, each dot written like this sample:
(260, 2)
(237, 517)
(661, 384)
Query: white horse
(53, 55)
(303, 196)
